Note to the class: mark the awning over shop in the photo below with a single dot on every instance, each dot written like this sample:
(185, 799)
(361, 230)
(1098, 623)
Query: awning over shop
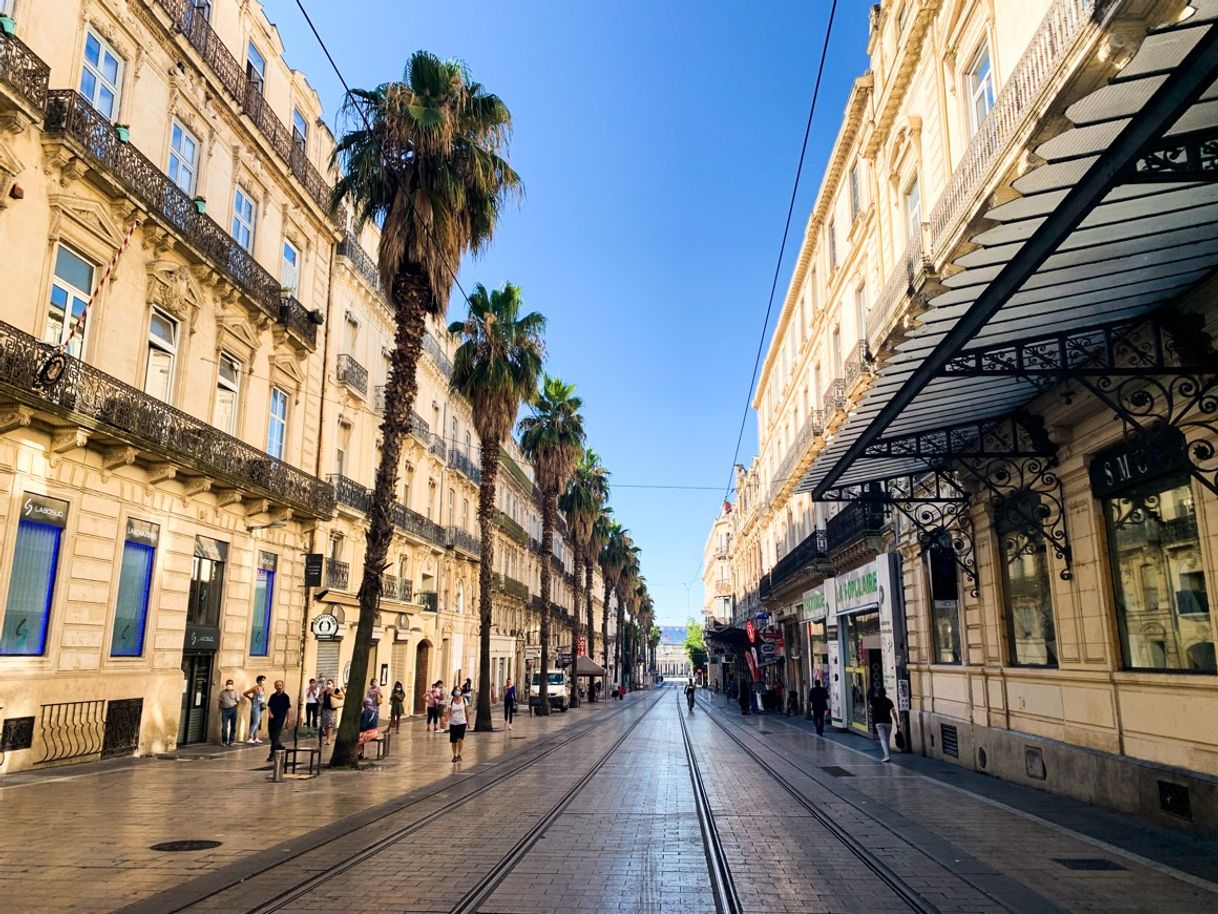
(729, 635)
(586, 666)
(1069, 283)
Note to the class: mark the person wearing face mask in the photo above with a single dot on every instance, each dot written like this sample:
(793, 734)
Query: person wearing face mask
(331, 701)
(228, 701)
(457, 707)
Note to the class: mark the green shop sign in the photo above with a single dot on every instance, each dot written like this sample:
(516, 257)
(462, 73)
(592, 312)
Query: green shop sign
(860, 587)
(815, 604)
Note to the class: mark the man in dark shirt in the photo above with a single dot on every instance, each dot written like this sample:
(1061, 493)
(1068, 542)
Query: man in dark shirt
(278, 704)
(818, 699)
(881, 716)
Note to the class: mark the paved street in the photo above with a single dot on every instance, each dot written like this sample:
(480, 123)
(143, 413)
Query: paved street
(593, 810)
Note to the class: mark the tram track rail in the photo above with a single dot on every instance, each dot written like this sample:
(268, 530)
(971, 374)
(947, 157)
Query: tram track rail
(485, 887)
(877, 867)
(163, 903)
(723, 886)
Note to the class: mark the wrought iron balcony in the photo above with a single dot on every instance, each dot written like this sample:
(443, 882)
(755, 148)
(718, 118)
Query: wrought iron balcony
(510, 586)
(389, 586)
(194, 27)
(92, 136)
(350, 493)
(456, 538)
(430, 601)
(437, 446)
(337, 574)
(723, 588)
(858, 364)
(419, 427)
(856, 521)
(406, 591)
(88, 397)
(813, 427)
(23, 71)
(353, 374)
(299, 320)
(835, 398)
(415, 523)
(511, 528)
(915, 262)
(463, 465)
(432, 347)
(361, 261)
(793, 567)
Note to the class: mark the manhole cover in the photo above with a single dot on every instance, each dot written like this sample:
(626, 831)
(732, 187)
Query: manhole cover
(837, 771)
(185, 846)
(1087, 863)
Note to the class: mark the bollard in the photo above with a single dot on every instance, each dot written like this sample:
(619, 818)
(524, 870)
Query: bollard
(278, 760)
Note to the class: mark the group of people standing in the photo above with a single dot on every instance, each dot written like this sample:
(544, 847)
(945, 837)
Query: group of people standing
(278, 703)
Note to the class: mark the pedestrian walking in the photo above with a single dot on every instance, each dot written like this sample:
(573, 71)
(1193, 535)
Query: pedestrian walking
(433, 710)
(312, 704)
(881, 716)
(818, 700)
(397, 707)
(331, 704)
(746, 696)
(792, 702)
(375, 694)
(467, 689)
(257, 699)
(457, 708)
(279, 704)
(368, 721)
(509, 703)
(228, 701)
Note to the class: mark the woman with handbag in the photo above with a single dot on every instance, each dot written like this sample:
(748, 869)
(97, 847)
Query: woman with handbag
(509, 703)
(331, 702)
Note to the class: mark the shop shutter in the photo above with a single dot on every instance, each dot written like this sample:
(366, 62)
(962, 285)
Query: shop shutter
(327, 660)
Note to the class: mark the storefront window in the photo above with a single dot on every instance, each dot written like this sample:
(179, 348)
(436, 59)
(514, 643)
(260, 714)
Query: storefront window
(818, 647)
(945, 602)
(1027, 595)
(1158, 577)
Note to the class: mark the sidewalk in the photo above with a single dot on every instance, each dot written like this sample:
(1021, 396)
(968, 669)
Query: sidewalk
(79, 838)
(1195, 859)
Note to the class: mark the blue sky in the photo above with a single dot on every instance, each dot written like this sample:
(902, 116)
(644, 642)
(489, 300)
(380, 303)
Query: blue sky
(658, 143)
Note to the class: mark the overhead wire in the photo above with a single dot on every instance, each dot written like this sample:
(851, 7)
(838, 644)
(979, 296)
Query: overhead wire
(820, 69)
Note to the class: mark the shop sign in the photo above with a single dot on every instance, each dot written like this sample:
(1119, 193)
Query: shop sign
(858, 588)
(750, 631)
(815, 605)
(313, 562)
(143, 532)
(532, 654)
(43, 510)
(1128, 464)
(202, 638)
(324, 627)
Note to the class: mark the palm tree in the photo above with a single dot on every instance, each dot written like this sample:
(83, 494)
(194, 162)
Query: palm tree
(428, 162)
(553, 439)
(586, 491)
(495, 368)
(626, 583)
(600, 534)
(613, 557)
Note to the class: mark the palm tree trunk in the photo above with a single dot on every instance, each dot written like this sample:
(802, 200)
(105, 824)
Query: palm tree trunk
(483, 722)
(605, 623)
(588, 602)
(400, 390)
(548, 508)
(575, 601)
(619, 645)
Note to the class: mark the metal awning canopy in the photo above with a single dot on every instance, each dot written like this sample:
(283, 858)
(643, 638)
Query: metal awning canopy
(587, 667)
(1120, 220)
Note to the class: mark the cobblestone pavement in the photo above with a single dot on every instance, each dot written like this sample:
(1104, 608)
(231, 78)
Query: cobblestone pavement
(583, 812)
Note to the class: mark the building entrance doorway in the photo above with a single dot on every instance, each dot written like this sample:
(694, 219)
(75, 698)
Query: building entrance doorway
(864, 668)
(196, 697)
(422, 662)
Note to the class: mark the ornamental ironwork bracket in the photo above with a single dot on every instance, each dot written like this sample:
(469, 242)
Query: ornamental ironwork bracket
(1156, 372)
(1193, 157)
(1014, 435)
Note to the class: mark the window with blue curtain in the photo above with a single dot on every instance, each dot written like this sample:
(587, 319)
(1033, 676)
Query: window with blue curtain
(264, 594)
(31, 587)
(131, 611)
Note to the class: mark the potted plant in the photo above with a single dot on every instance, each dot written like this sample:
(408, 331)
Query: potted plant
(123, 131)
(7, 25)
(200, 205)
(287, 292)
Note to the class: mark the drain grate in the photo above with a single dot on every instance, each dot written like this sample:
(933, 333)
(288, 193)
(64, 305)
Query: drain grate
(174, 846)
(837, 771)
(1087, 863)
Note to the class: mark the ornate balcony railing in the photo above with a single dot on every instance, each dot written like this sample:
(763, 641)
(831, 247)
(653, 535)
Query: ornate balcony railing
(24, 71)
(510, 586)
(420, 526)
(349, 492)
(430, 601)
(337, 574)
(456, 538)
(419, 427)
(298, 320)
(811, 550)
(405, 590)
(93, 399)
(437, 446)
(352, 373)
(835, 398)
(856, 520)
(723, 588)
(913, 263)
(389, 586)
(199, 33)
(463, 465)
(361, 261)
(432, 347)
(858, 364)
(70, 115)
(813, 426)
(511, 528)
